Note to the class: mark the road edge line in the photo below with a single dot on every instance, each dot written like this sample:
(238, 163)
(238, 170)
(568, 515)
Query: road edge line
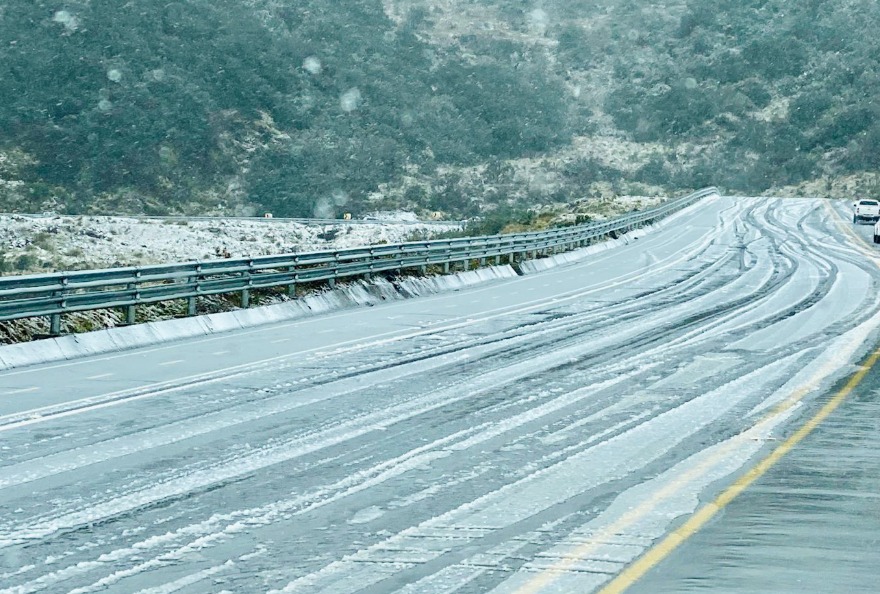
(638, 569)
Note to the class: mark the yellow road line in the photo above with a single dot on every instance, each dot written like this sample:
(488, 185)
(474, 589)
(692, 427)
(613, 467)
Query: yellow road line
(641, 566)
(551, 574)
(637, 570)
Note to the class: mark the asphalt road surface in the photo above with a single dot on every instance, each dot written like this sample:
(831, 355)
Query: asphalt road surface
(811, 524)
(537, 434)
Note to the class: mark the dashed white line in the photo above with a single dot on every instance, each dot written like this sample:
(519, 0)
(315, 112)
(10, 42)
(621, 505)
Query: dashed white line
(218, 353)
(90, 404)
(22, 390)
(280, 340)
(99, 376)
(299, 322)
(175, 362)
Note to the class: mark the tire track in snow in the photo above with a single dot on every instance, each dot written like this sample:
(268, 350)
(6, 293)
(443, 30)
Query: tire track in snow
(666, 341)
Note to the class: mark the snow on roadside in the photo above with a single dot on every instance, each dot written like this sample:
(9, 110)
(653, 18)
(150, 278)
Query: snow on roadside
(80, 242)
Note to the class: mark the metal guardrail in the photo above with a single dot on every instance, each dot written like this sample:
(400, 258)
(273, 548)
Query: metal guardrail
(56, 294)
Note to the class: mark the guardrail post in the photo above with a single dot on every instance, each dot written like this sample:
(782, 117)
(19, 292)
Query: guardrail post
(131, 310)
(467, 265)
(423, 268)
(291, 287)
(332, 281)
(446, 268)
(369, 275)
(55, 324)
(191, 302)
(55, 319)
(246, 293)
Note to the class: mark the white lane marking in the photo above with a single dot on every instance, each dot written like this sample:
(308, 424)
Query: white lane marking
(37, 418)
(99, 376)
(280, 340)
(22, 390)
(295, 447)
(174, 362)
(599, 258)
(92, 403)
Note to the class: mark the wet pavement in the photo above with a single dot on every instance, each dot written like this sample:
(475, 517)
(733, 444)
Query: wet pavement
(532, 435)
(811, 524)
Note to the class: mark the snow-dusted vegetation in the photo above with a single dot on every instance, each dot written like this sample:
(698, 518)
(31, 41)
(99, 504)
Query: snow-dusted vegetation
(54, 243)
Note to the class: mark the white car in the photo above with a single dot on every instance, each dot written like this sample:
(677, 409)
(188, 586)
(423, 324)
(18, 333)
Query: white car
(877, 232)
(866, 210)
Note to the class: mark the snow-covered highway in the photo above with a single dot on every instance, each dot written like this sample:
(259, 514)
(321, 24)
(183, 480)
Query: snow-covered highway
(533, 434)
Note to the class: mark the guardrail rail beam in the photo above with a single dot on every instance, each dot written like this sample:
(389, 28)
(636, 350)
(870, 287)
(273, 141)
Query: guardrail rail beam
(56, 294)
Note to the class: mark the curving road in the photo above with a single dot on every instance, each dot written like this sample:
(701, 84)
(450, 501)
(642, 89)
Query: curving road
(531, 435)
